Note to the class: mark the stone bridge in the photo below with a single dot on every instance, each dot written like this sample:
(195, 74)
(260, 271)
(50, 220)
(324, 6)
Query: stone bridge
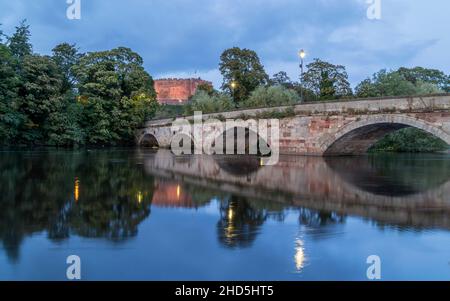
(330, 128)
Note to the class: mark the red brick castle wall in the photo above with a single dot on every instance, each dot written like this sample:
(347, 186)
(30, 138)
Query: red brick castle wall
(177, 91)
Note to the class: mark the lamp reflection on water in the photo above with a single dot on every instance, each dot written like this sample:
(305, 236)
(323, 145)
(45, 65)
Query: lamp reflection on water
(139, 197)
(230, 230)
(76, 193)
(178, 192)
(299, 257)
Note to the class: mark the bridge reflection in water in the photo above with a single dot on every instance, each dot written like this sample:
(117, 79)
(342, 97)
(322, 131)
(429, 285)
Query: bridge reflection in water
(119, 195)
(395, 190)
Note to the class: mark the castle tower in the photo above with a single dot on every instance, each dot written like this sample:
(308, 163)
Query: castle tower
(177, 91)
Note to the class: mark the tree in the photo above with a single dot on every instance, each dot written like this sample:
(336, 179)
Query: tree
(384, 83)
(206, 88)
(117, 95)
(403, 82)
(1, 34)
(326, 80)
(10, 118)
(327, 89)
(39, 90)
(281, 79)
(242, 72)
(66, 56)
(19, 42)
(432, 76)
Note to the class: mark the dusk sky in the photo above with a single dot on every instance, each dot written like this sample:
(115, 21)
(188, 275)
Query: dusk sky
(184, 38)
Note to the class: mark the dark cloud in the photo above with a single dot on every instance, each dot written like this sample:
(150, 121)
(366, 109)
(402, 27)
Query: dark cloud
(182, 36)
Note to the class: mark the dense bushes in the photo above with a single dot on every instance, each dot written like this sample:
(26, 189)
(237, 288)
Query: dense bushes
(409, 140)
(209, 103)
(271, 96)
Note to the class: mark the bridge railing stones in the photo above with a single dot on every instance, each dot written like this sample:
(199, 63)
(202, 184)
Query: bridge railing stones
(436, 102)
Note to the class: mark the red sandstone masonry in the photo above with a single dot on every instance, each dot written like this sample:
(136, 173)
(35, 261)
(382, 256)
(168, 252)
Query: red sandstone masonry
(173, 91)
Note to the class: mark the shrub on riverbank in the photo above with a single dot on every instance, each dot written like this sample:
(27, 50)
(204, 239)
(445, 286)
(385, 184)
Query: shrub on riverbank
(410, 140)
(271, 96)
(206, 103)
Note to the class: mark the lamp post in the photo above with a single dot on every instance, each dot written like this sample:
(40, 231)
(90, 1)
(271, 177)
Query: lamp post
(302, 55)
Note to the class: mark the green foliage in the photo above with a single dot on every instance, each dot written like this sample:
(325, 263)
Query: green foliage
(271, 96)
(405, 82)
(410, 140)
(117, 94)
(326, 81)
(10, 118)
(66, 56)
(207, 88)
(424, 75)
(169, 111)
(19, 42)
(71, 99)
(281, 79)
(385, 83)
(40, 93)
(63, 127)
(242, 72)
(206, 103)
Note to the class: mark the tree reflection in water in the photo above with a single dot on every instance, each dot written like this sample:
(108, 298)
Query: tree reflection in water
(90, 194)
(239, 223)
(320, 224)
(107, 194)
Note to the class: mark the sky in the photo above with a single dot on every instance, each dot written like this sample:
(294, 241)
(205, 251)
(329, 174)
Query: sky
(184, 38)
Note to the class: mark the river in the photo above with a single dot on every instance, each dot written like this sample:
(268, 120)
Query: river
(134, 214)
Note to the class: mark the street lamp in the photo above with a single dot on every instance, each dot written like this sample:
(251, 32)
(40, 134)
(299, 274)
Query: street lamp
(302, 55)
(233, 87)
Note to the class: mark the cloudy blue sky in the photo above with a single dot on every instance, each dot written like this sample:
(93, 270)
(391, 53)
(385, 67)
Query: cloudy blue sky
(184, 38)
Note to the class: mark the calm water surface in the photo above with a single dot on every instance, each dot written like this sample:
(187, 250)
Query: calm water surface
(143, 215)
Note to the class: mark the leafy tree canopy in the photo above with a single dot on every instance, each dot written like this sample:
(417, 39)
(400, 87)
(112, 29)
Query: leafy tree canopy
(403, 82)
(19, 42)
(66, 56)
(327, 81)
(242, 72)
(281, 79)
(117, 92)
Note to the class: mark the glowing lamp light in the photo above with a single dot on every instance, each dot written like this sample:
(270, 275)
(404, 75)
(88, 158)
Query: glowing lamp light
(302, 54)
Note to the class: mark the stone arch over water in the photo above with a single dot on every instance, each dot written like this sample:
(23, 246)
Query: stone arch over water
(358, 136)
(149, 140)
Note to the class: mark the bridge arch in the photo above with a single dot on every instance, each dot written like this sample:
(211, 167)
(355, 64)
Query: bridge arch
(148, 140)
(358, 136)
(250, 138)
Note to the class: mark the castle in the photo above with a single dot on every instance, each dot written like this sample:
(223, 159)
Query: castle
(177, 91)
